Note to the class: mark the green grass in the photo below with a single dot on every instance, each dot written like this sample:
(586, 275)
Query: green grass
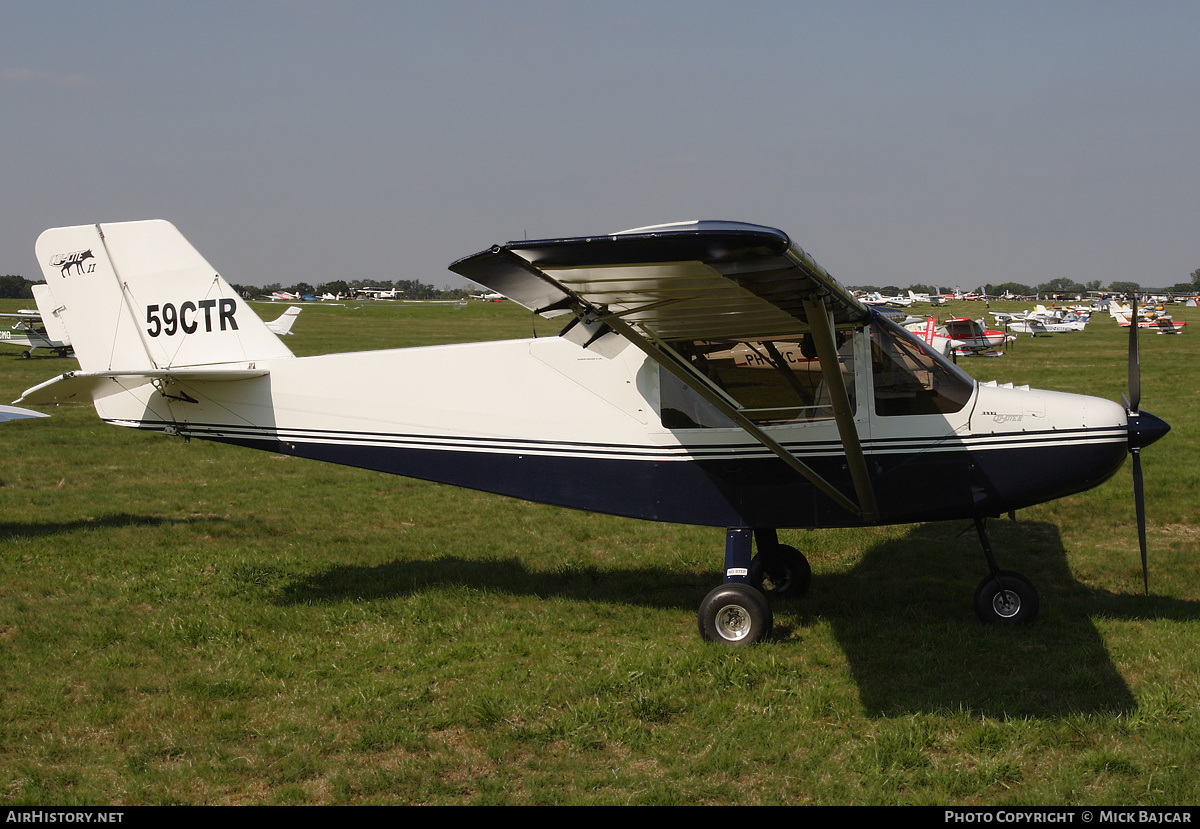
(196, 623)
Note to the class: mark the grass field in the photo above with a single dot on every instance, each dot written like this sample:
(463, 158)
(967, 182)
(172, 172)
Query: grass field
(193, 623)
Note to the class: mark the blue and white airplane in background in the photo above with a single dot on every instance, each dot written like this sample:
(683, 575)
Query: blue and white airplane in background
(707, 373)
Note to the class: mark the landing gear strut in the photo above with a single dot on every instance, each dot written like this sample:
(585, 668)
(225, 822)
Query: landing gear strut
(737, 612)
(1003, 597)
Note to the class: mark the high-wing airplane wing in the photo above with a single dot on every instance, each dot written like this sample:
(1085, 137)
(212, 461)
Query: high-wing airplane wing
(662, 286)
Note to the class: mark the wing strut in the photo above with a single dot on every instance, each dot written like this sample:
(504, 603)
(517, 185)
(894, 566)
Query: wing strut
(669, 359)
(823, 338)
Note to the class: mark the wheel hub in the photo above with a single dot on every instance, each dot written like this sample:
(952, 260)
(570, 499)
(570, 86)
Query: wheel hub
(1006, 603)
(733, 622)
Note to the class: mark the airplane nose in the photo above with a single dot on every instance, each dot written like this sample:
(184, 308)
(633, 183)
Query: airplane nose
(1145, 428)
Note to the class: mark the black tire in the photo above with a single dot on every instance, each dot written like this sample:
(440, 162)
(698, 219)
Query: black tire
(26, 355)
(735, 614)
(781, 571)
(1010, 599)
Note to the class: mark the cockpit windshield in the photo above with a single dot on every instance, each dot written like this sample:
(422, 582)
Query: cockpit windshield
(910, 378)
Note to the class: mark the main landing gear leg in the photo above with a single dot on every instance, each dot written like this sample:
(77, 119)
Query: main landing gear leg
(779, 570)
(736, 613)
(1003, 597)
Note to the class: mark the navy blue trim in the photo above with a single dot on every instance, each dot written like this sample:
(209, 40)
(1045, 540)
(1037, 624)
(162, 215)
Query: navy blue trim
(729, 490)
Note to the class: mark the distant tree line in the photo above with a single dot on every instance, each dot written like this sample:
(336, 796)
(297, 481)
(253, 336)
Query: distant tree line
(1054, 286)
(15, 287)
(410, 288)
(18, 287)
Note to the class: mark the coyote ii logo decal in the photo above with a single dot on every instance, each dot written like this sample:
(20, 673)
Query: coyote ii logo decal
(66, 261)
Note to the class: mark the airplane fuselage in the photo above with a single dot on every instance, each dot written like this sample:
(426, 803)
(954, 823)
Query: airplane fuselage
(549, 421)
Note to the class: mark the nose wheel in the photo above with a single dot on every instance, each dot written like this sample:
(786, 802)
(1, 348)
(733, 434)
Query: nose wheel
(1003, 597)
(1006, 598)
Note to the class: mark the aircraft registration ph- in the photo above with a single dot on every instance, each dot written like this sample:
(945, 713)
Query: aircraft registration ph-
(645, 405)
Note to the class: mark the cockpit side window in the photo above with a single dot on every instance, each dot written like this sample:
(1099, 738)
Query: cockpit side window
(910, 378)
(773, 382)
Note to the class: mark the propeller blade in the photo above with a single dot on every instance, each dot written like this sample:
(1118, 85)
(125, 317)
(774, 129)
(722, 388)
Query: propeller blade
(1135, 369)
(1139, 502)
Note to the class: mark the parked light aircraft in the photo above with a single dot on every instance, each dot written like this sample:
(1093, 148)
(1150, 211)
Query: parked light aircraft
(638, 407)
(38, 329)
(282, 325)
(877, 298)
(1041, 321)
(1160, 324)
(932, 299)
(925, 329)
(377, 293)
(974, 338)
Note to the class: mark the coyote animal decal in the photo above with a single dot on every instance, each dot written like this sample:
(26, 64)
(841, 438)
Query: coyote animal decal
(65, 261)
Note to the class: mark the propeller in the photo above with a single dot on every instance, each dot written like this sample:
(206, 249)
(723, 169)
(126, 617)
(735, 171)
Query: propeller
(1144, 429)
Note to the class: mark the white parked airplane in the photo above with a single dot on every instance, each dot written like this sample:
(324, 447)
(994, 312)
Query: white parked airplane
(877, 298)
(932, 299)
(377, 293)
(638, 408)
(282, 325)
(38, 329)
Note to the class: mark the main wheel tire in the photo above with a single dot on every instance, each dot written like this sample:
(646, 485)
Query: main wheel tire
(735, 614)
(781, 571)
(1007, 599)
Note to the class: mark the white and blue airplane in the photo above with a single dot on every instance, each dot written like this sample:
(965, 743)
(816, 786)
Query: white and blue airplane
(639, 407)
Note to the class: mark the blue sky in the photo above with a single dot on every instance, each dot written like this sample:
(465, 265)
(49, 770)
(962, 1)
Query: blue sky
(948, 143)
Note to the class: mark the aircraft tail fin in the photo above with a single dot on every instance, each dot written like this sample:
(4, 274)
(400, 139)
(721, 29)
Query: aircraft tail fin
(282, 325)
(137, 297)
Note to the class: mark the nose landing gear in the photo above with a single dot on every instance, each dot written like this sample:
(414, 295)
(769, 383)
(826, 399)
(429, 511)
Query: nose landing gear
(1003, 597)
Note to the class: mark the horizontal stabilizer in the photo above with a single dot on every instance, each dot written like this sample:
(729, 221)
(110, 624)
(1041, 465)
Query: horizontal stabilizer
(86, 386)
